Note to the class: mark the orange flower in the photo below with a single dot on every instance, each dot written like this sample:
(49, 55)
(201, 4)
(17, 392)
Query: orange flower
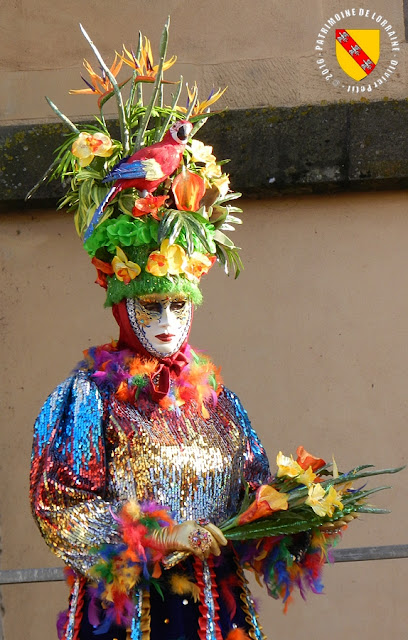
(198, 265)
(103, 269)
(124, 269)
(99, 85)
(188, 189)
(144, 67)
(306, 460)
(149, 204)
(267, 500)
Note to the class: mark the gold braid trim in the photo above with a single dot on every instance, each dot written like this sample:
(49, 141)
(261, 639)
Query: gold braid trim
(244, 596)
(145, 617)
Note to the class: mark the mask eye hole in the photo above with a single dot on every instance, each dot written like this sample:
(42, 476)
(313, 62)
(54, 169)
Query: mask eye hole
(151, 307)
(177, 305)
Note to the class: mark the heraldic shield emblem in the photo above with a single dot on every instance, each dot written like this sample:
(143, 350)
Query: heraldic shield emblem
(358, 51)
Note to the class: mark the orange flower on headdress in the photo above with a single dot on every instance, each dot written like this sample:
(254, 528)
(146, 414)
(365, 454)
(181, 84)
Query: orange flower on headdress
(149, 204)
(143, 65)
(188, 189)
(198, 265)
(99, 85)
(88, 145)
(103, 269)
(204, 106)
(124, 269)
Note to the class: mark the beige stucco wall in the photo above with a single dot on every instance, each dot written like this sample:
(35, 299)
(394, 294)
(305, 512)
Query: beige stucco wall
(313, 337)
(313, 334)
(263, 51)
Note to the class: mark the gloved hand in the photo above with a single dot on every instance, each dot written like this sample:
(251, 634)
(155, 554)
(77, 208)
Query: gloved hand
(192, 538)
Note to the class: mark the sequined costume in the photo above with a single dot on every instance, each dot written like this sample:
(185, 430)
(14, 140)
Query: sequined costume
(93, 452)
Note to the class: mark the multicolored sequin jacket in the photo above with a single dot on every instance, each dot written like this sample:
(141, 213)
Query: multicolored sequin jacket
(93, 452)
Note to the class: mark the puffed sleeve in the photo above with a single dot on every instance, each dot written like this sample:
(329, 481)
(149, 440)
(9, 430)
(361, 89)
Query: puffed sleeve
(256, 465)
(68, 482)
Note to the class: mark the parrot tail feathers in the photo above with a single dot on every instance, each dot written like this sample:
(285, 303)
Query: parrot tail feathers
(99, 212)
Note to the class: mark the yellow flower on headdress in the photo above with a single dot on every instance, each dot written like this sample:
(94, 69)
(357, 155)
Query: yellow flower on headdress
(170, 259)
(124, 269)
(212, 174)
(99, 85)
(143, 65)
(222, 184)
(89, 145)
(201, 152)
(204, 106)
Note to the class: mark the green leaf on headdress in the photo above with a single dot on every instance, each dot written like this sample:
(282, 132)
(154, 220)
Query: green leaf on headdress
(221, 238)
(126, 202)
(229, 258)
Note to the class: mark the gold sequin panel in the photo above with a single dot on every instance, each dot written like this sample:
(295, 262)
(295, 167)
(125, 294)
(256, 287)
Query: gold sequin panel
(192, 465)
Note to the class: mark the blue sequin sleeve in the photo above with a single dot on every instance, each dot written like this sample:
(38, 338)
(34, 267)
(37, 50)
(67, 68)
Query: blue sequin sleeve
(68, 492)
(256, 465)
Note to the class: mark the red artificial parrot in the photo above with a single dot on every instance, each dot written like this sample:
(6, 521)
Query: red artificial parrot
(147, 168)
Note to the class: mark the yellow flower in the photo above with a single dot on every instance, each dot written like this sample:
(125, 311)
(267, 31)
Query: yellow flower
(333, 500)
(124, 269)
(157, 264)
(176, 257)
(170, 259)
(204, 106)
(89, 145)
(287, 466)
(201, 152)
(307, 477)
(322, 503)
(315, 499)
(222, 184)
(99, 85)
(212, 174)
(143, 65)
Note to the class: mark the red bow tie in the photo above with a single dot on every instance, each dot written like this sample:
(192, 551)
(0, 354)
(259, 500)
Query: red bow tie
(175, 364)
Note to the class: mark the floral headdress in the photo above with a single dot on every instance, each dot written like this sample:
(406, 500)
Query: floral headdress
(140, 241)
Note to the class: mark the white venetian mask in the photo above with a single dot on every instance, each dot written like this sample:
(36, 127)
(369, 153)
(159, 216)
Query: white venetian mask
(160, 322)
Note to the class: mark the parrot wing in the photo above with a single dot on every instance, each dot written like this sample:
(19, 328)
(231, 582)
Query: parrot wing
(148, 169)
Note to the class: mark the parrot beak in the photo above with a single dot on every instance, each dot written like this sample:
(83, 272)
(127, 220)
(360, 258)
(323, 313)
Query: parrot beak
(182, 133)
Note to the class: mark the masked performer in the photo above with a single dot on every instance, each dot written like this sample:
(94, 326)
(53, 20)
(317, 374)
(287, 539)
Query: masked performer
(142, 453)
